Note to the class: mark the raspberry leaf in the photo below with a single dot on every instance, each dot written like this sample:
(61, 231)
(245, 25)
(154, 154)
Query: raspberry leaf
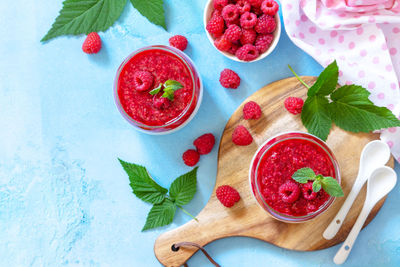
(332, 187)
(160, 214)
(316, 117)
(326, 82)
(303, 175)
(142, 185)
(156, 90)
(153, 10)
(183, 189)
(316, 186)
(85, 16)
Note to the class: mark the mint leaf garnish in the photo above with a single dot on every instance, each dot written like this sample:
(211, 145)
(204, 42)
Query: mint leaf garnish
(352, 111)
(142, 185)
(332, 187)
(169, 88)
(316, 116)
(153, 10)
(316, 186)
(85, 16)
(156, 90)
(173, 85)
(326, 82)
(169, 94)
(183, 189)
(303, 175)
(160, 215)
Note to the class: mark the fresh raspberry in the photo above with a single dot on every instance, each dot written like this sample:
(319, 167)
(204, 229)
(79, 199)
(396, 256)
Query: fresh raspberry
(142, 80)
(229, 79)
(241, 136)
(269, 7)
(248, 36)
(220, 4)
(235, 22)
(247, 52)
(233, 33)
(265, 24)
(230, 13)
(161, 103)
(178, 41)
(227, 195)
(308, 192)
(263, 42)
(92, 43)
(289, 192)
(234, 48)
(204, 143)
(251, 110)
(294, 105)
(248, 20)
(243, 6)
(191, 157)
(311, 207)
(255, 3)
(216, 25)
(257, 11)
(222, 43)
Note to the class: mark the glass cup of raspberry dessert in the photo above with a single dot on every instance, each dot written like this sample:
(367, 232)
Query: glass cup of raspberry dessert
(271, 172)
(157, 89)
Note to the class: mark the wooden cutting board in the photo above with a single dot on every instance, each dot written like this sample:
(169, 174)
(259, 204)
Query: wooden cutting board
(246, 218)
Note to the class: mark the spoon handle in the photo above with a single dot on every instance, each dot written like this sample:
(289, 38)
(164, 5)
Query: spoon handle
(345, 249)
(337, 222)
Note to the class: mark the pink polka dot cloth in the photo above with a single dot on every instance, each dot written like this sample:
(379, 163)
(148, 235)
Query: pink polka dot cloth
(363, 36)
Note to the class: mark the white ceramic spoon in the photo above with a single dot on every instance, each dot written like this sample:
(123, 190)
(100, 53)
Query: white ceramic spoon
(374, 155)
(380, 183)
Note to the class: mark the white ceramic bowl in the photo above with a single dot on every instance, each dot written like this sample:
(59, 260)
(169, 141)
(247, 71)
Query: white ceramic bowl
(209, 8)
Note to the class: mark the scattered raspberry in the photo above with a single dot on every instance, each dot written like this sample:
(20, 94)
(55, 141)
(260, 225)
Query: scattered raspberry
(255, 3)
(92, 43)
(294, 105)
(227, 195)
(191, 157)
(251, 111)
(263, 42)
(161, 103)
(178, 41)
(247, 52)
(269, 7)
(289, 192)
(248, 20)
(248, 36)
(230, 13)
(233, 33)
(241, 136)
(229, 79)
(222, 44)
(216, 25)
(308, 192)
(243, 6)
(265, 24)
(204, 143)
(220, 4)
(142, 80)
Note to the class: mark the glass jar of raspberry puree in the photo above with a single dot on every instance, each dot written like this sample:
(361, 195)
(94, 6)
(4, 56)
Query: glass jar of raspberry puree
(143, 71)
(271, 173)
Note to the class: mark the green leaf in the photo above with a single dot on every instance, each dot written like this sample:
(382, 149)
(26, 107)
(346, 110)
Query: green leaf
(160, 215)
(173, 85)
(332, 187)
(326, 82)
(352, 111)
(156, 90)
(153, 10)
(315, 116)
(303, 175)
(85, 16)
(316, 186)
(168, 94)
(182, 190)
(142, 185)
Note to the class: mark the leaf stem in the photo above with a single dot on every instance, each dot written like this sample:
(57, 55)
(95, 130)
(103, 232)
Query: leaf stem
(185, 211)
(298, 78)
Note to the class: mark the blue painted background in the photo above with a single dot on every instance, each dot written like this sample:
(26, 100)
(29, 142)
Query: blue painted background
(64, 199)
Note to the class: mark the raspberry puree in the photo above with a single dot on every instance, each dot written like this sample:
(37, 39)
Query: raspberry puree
(278, 165)
(143, 107)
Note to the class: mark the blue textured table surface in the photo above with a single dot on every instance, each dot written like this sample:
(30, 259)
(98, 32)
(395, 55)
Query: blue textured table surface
(64, 198)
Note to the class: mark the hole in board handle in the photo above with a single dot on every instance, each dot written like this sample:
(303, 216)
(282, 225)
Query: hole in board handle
(346, 248)
(338, 221)
(173, 248)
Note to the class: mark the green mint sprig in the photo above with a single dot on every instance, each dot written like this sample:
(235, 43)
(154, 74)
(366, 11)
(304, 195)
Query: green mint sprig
(329, 184)
(348, 107)
(169, 88)
(86, 16)
(164, 201)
